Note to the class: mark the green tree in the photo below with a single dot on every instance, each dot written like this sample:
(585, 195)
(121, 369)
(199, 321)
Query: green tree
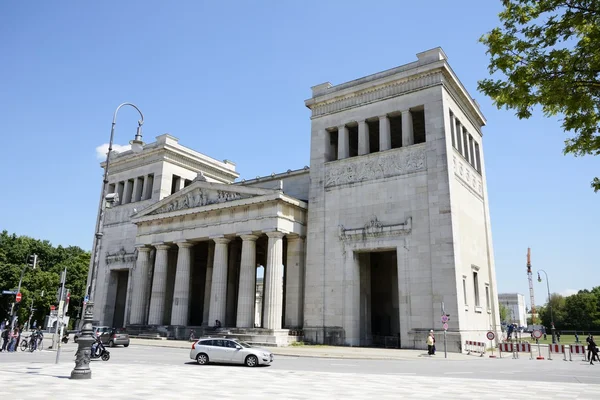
(559, 312)
(504, 315)
(548, 52)
(583, 311)
(40, 285)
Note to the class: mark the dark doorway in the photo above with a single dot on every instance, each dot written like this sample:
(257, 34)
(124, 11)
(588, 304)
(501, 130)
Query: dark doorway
(198, 283)
(120, 298)
(380, 320)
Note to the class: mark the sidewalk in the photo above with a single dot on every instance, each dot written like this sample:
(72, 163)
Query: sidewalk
(321, 351)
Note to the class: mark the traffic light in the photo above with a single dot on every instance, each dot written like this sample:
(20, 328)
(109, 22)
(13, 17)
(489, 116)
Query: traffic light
(32, 260)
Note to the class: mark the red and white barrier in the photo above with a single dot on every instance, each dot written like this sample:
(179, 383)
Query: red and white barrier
(506, 348)
(523, 348)
(556, 349)
(577, 349)
(472, 346)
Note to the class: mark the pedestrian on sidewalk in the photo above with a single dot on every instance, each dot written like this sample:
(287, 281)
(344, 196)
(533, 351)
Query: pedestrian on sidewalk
(430, 343)
(5, 337)
(593, 349)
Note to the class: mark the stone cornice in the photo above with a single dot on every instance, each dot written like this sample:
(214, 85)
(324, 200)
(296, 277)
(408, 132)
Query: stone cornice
(375, 93)
(152, 154)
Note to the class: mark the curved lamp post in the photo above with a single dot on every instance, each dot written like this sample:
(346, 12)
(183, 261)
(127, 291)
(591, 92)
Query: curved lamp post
(549, 304)
(82, 360)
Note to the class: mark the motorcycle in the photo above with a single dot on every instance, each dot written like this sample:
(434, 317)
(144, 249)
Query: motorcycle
(99, 351)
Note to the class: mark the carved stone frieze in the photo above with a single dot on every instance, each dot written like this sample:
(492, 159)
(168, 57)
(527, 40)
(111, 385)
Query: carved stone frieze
(374, 229)
(467, 174)
(121, 257)
(197, 198)
(354, 170)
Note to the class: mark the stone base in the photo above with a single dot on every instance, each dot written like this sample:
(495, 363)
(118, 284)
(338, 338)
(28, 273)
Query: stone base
(261, 337)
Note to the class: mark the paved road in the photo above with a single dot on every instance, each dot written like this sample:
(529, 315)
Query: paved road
(504, 369)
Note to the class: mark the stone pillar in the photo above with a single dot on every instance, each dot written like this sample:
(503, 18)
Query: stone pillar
(218, 290)
(294, 272)
(126, 197)
(351, 315)
(208, 283)
(404, 293)
(363, 138)
(408, 136)
(385, 138)
(453, 129)
(139, 294)
(181, 292)
(159, 285)
(273, 298)
(247, 284)
(343, 142)
(134, 191)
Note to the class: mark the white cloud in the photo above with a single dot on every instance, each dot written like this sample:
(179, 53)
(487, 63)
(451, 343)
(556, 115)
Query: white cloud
(568, 292)
(103, 149)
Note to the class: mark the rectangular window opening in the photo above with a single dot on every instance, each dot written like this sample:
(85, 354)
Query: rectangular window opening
(476, 288)
(175, 183)
(418, 120)
(373, 135)
(396, 130)
(149, 184)
(333, 141)
(465, 290)
(472, 151)
(353, 140)
(120, 189)
(187, 183)
(477, 158)
(487, 297)
(452, 130)
(139, 186)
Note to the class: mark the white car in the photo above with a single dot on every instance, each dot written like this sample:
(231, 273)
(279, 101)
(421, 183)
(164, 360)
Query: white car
(229, 351)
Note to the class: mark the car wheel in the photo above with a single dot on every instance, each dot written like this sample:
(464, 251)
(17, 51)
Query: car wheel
(75, 339)
(126, 345)
(251, 361)
(111, 344)
(202, 359)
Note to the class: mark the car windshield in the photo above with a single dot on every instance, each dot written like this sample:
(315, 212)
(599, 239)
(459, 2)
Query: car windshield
(243, 344)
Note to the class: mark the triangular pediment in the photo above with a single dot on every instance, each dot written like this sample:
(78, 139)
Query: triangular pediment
(200, 194)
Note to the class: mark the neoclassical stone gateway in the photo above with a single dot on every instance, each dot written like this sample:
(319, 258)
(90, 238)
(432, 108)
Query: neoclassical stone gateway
(388, 225)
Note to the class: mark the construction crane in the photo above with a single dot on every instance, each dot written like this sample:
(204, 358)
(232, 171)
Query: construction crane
(530, 278)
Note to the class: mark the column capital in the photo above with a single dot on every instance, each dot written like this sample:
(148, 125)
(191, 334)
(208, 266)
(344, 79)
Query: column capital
(383, 116)
(248, 237)
(220, 239)
(161, 246)
(184, 244)
(294, 236)
(275, 234)
(404, 112)
(143, 248)
(361, 121)
(342, 126)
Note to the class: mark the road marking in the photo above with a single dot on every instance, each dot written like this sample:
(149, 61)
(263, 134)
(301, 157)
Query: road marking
(457, 373)
(345, 365)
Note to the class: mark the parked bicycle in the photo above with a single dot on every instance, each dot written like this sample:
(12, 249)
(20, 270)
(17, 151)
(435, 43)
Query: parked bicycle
(29, 343)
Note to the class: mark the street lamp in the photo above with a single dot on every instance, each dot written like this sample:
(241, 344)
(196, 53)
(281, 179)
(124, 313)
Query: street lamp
(549, 304)
(31, 262)
(82, 359)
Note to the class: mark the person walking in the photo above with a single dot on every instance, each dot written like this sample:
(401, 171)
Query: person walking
(430, 343)
(593, 349)
(5, 337)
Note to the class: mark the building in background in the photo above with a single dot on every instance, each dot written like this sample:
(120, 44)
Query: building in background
(515, 304)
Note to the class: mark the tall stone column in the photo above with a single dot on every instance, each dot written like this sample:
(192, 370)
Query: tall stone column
(218, 290)
(208, 283)
(385, 138)
(181, 292)
(126, 197)
(351, 315)
(408, 137)
(159, 285)
(343, 142)
(363, 138)
(139, 294)
(247, 284)
(294, 272)
(274, 282)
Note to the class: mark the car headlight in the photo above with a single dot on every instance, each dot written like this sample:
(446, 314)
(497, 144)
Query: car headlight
(265, 354)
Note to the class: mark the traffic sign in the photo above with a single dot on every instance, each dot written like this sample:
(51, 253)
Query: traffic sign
(18, 297)
(86, 299)
(445, 326)
(444, 319)
(490, 335)
(9, 292)
(537, 334)
(52, 308)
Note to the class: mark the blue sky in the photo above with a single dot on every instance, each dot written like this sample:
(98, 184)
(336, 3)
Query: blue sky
(229, 79)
